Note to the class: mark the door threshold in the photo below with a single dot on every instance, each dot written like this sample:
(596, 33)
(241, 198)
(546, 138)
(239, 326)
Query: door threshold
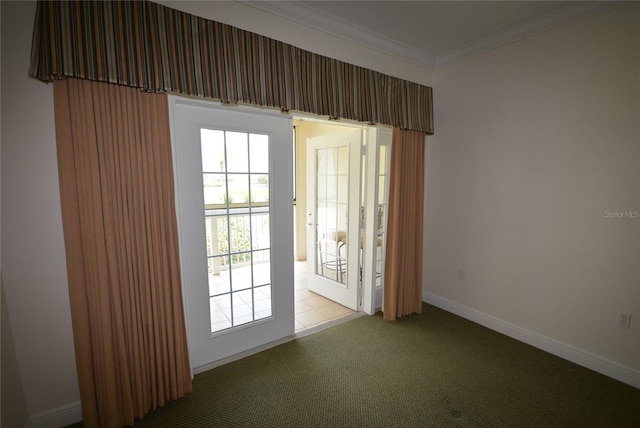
(328, 324)
(302, 333)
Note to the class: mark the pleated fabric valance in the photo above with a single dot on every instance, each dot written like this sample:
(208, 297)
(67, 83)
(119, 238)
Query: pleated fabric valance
(155, 48)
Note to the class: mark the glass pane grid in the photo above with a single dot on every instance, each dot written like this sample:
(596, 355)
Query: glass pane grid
(331, 183)
(237, 225)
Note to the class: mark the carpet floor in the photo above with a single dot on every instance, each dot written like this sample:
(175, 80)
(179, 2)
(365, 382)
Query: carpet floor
(430, 370)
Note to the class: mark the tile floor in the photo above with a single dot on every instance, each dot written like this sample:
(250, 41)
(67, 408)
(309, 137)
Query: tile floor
(310, 308)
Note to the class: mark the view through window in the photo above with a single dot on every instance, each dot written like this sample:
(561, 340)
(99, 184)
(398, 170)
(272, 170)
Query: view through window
(235, 176)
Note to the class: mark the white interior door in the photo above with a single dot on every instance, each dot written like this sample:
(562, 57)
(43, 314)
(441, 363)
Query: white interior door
(233, 171)
(376, 213)
(333, 216)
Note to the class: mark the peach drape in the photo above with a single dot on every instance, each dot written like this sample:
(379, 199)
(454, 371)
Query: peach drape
(403, 259)
(117, 196)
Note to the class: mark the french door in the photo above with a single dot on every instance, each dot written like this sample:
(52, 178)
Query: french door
(333, 216)
(376, 185)
(233, 169)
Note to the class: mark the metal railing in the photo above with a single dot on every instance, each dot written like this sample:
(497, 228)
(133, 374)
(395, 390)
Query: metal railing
(237, 234)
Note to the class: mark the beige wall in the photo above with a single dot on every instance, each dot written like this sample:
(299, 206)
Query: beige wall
(534, 143)
(13, 409)
(34, 271)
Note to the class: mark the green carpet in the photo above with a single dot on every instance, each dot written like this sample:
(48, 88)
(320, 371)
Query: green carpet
(429, 370)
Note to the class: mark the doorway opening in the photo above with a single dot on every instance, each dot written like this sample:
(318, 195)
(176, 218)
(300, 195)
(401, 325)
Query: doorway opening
(336, 166)
(244, 288)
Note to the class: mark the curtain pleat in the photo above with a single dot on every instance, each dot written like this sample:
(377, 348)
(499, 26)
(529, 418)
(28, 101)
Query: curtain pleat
(117, 196)
(149, 46)
(403, 258)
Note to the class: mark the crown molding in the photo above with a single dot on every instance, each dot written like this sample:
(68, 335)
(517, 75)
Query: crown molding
(312, 17)
(524, 30)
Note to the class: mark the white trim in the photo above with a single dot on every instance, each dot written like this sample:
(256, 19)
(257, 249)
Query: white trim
(317, 19)
(562, 350)
(173, 100)
(58, 417)
(521, 31)
(310, 16)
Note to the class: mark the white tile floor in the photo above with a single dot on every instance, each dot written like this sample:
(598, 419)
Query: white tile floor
(310, 309)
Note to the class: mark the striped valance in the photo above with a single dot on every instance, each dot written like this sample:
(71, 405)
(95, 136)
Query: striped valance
(156, 48)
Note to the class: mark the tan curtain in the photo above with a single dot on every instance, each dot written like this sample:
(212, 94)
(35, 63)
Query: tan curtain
(149, 46)
(403, 259)
(116, 185)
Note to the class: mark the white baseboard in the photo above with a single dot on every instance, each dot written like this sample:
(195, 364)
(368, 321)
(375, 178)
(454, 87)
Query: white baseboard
(577, 356)
(72, 413)
(59, 417)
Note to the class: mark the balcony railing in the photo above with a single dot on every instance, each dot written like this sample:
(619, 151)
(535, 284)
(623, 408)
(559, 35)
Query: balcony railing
(237, 234)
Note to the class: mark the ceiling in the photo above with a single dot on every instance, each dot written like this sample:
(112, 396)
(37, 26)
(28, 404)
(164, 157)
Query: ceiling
(432, 33)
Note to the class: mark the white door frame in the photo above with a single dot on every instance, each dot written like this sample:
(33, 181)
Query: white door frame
(372, 296)
(281, 177)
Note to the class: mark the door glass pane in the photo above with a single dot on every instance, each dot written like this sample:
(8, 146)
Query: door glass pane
(214, 189)
(220, 311)
(262, 302)
(331, 181)
(242, 307)
(259, 189)
(237, 150)
(212, 147)
(343, 160)
(343, 189)
(260, 237)
(235, 177)
(239, 237)
(262, 270)
(341, 215)
(259, 153)
(238, 189)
